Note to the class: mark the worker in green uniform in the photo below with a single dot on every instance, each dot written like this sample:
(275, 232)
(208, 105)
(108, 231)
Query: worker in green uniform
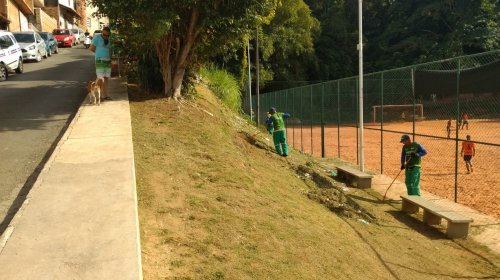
(410, 161)
(276, 126)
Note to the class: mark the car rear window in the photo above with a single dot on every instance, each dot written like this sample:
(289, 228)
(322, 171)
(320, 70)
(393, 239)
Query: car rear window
(60, 32)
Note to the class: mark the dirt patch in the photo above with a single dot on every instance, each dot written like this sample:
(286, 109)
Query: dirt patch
(479, 190)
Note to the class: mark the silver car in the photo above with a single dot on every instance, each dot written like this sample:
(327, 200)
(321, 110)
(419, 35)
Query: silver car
(32, 45)
(79, 36)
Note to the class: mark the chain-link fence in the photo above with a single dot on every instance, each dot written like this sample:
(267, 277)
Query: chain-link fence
(418, 100)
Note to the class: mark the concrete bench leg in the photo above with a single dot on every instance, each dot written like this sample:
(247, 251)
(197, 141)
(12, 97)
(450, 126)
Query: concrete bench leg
(346, 178)
(341, 175)
(457, 230)
(409, 207)
(431, 219)
(364, 183)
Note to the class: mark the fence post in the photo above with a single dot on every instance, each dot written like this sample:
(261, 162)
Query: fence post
(311, 114)
(413, 94)
(338, 118)
(381, 123)
(301, 126)
(293, 108)
(323, 120)
(357, 120)
(284, 94)
(456, 129)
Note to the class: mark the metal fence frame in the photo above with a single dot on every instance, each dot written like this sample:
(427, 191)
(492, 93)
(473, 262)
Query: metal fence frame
(335, 102)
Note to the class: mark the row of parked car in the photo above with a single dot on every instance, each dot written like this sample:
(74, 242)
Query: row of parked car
(16, 47)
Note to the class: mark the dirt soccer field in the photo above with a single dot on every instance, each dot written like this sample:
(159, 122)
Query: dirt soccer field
(479, 190)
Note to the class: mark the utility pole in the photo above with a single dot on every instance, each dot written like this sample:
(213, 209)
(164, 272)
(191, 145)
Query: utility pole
(360, 48)
(252, 115)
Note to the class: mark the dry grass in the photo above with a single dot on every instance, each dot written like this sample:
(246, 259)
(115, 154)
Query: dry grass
(215, 202)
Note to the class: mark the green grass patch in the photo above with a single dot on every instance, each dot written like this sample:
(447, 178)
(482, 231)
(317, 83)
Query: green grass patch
(224, 85)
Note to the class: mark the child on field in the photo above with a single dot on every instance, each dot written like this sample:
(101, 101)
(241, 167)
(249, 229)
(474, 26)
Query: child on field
(465, 121)
(448, 127)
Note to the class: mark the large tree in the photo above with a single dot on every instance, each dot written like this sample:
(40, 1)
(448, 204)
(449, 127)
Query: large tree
(288, 43)
(181, 30)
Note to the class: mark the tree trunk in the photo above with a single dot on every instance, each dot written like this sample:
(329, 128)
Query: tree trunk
(163, 53)
(173, 53)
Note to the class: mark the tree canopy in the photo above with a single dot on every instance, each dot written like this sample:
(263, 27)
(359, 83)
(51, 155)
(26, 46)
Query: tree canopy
(400, 33)
(302, 39)
(182, 30)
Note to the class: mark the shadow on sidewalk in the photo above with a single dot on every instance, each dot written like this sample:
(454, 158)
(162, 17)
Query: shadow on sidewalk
(30, 182)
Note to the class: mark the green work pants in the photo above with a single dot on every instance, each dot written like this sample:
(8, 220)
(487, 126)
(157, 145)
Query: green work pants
(412, 180)
(279, 139)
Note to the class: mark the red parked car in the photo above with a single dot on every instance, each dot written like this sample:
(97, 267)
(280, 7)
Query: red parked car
(64, 37)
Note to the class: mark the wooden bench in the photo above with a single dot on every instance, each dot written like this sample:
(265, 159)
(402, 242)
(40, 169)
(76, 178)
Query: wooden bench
(354, 177)
(458, 225)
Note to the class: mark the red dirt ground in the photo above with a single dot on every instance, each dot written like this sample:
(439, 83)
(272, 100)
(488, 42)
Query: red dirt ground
(479, 190)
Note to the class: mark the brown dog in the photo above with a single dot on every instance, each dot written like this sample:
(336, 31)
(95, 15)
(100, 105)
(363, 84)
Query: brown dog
(94, 91)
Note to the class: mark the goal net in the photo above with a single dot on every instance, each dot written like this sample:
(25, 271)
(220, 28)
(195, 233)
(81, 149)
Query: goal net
(403, 112)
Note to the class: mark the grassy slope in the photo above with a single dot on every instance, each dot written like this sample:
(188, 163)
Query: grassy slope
(215, 206)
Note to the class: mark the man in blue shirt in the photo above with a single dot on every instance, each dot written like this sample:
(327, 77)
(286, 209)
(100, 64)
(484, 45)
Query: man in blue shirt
(101, 46)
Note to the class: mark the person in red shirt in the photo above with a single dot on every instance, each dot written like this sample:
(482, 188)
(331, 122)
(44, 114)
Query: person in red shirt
(468, 151)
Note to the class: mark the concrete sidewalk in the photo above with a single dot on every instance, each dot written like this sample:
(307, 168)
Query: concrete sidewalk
(80, 219)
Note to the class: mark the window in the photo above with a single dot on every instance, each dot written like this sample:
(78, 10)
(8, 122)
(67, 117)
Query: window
(5, 42)
(24, 37)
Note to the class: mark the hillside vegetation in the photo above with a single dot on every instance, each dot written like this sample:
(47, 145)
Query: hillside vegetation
(216, 202)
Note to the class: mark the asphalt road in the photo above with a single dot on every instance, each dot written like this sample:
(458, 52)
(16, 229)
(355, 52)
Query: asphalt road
(35, 109)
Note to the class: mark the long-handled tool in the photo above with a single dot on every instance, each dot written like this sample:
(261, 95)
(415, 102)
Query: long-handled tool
(391, 184)
(385, 194)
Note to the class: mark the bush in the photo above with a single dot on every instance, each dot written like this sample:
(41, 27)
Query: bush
(224, 85)
(149, 73)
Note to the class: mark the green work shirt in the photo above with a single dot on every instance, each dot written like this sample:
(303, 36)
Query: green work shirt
(409, 149)
(278, 121)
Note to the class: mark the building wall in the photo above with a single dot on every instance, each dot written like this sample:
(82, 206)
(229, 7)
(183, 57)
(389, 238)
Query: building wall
(52, 11)
(23, 20)
(44, 22)
(80, 9)
(13, 15)
(3, 13)
(3, 7)
(93, 23)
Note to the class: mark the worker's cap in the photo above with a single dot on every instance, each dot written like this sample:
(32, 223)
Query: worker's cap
(272, 110)
(404, 138)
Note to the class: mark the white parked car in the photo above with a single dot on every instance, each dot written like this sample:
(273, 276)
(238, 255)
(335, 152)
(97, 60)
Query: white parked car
(32, 45)
(79, 36)
(11, 58)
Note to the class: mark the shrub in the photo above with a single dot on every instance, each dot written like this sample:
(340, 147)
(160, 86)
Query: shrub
(149, 73)
(224, 85)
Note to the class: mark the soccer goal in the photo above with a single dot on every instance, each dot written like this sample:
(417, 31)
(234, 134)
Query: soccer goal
(402, 112)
